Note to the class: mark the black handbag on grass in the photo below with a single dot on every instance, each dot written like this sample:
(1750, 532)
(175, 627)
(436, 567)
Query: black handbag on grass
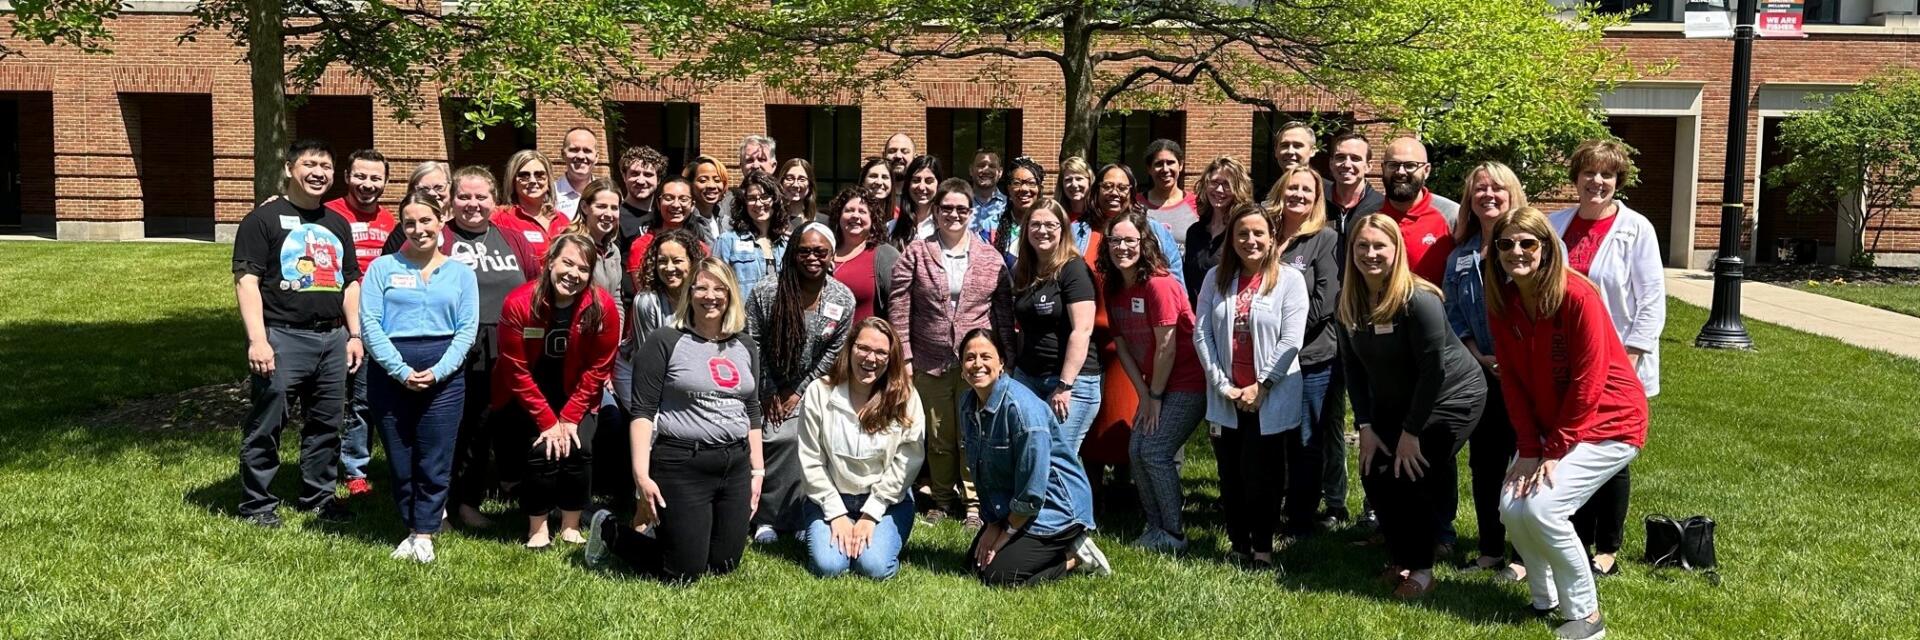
(1687, 544)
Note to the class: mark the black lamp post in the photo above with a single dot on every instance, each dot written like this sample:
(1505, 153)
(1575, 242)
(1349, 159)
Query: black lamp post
(1724, 329)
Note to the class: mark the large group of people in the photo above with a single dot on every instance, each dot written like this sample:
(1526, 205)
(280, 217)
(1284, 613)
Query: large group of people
(754, 360)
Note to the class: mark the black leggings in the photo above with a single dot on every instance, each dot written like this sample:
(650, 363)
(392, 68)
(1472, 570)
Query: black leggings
(709, 491)
(1408, 508)
(1027, 559)
(1490, 450)
(562, 484)
(1602, 521)
(1255, 470)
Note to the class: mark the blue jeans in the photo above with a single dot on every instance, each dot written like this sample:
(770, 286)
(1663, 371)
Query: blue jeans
(356, 445)
(880, 560)
(1082, 404)
(419, 429)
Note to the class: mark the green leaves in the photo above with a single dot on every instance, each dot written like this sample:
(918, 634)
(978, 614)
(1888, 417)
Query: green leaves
(1865, 144)
(81, 24)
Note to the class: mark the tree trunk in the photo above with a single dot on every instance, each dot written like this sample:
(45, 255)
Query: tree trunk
(266, 55)
(1082, 112)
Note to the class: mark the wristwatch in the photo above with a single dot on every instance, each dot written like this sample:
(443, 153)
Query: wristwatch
(1063, 385)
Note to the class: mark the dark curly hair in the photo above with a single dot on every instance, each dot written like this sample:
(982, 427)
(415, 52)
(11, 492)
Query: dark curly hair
(687, 238)
(776, 217)
(875, 231)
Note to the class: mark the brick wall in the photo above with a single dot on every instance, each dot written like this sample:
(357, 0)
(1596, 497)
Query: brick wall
(95, 177)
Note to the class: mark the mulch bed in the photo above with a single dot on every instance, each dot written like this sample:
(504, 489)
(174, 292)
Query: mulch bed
(215, 407)
(1831, 274)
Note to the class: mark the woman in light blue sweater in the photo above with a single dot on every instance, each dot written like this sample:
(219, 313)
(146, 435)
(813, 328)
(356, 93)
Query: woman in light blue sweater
(420, 312)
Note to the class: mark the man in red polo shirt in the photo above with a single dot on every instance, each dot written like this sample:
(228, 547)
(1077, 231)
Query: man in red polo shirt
(1426, 220)
(372, 223)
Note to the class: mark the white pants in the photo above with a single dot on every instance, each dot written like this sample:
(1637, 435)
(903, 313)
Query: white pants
(1558, 573)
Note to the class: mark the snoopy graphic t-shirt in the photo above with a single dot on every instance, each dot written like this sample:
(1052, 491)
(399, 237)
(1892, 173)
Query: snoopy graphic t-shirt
(304, 259)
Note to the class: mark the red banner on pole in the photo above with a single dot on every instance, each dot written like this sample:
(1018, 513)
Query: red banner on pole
(1781, 19)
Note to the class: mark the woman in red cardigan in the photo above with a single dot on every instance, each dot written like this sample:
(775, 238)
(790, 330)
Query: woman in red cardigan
(1577, 407)
(558, 338)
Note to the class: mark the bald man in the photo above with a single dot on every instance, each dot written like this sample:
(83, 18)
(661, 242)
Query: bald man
(1426, 220)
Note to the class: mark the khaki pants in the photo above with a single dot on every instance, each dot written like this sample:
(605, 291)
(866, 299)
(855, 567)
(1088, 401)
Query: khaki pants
(946, 462)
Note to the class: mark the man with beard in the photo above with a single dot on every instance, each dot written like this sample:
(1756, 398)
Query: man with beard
(371, 224)
(1424, 220)
(579, 153)
(899, 153)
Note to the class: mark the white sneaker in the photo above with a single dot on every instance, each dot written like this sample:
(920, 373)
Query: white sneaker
(765, 535)
(1092, 560)
(404, 551)
(596, 552)
(423, 550)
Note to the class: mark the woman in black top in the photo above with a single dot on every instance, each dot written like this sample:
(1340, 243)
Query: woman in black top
(501, 262)
(1054, 307)
(1299, 211)
(699, 481)
(1223, 186)
(1416, 395)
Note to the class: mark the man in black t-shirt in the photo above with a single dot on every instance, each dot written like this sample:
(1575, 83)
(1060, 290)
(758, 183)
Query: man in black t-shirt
(299, 288)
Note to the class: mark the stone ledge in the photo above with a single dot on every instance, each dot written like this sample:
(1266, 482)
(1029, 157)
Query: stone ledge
(97, 231)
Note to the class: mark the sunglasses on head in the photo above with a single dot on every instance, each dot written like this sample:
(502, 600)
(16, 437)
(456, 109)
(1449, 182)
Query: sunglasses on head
(1526, 244)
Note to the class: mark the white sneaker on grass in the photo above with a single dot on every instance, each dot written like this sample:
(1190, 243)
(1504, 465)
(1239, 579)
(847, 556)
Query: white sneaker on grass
(1092, 560)
(596, 552)
(423, 550)
(765, 534)
(404, 551)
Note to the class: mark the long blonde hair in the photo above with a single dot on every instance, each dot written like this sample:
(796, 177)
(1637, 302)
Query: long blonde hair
(1316, 214)
(1552, 272)
(1269, 266)
(1468, 222)
(1356, 301)
(1030, 268)
(1237, 181)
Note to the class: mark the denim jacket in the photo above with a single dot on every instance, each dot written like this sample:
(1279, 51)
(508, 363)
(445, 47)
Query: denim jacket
(741, 250)
(1466, 298)
(1018, 466)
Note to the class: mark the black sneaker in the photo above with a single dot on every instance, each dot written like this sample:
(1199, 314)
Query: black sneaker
(1581, 630)
(1334, 520)
(333, 513)
(264, 520)
(1537, 613)
(1368, 522)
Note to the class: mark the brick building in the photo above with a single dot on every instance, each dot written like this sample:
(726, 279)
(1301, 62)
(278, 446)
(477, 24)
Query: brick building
(155, 139)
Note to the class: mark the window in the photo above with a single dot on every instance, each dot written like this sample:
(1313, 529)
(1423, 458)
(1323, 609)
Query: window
(1643, 10)
(345, 123)
(828, 137)
(1124, 137)
(171, 136)
(1264, 170)
(672, 128)
(1821, 12)
(954, 135)
(500, 141)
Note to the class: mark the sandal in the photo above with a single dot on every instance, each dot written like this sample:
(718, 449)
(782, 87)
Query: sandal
(1609, 571)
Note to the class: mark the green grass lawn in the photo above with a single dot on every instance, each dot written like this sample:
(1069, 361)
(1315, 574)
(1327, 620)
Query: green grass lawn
(1901, 298)
(1804, 451)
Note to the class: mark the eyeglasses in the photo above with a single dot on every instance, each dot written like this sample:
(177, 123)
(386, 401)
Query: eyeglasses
(810, 252)
(1123, 243)
(525, 176)
(955, 208)
(1019, 182)
(870, 352)
(1393, 167)
(1115, 187)
(1526, 244)
(1044, 226)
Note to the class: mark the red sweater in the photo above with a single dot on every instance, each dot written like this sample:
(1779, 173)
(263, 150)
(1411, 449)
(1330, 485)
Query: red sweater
(1566, 378)
(512, 219)
(588, 364)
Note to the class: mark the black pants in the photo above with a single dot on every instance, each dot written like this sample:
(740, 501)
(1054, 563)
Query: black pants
(1254, 472)
(1602, 522)
(562, 484)
(310, 366)
(1490, 450)
(1027, 559)
(709, 492)
(1408, 507)
(1330, 434)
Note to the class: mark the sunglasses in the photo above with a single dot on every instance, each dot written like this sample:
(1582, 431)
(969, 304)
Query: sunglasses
(1526, 244)
(810, 252)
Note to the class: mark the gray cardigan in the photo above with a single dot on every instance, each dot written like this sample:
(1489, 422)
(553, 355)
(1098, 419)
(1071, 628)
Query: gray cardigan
(827, 325)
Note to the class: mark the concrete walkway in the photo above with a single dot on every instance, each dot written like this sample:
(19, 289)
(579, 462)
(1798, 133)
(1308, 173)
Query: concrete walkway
(1852, 323)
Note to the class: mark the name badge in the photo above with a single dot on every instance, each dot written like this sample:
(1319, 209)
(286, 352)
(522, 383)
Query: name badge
(744, 244)
(1383, 328)
(1463, 263)
(534, 236)
(832, 310)
(1213, 429)
(359, 228)
(289, 222)
(533, 333)
(1139, 305)
(403, 281)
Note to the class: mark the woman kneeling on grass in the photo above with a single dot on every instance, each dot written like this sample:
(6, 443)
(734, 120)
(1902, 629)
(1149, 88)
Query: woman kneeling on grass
(1034, 495)
(1577, 406)
(861, 442)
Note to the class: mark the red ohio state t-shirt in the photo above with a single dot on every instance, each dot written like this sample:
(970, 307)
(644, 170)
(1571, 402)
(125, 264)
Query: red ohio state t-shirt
(370, 230)
(1429, 238)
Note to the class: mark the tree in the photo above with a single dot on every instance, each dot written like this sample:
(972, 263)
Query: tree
(77, 23)
(1859, 157)
(1511, 78)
